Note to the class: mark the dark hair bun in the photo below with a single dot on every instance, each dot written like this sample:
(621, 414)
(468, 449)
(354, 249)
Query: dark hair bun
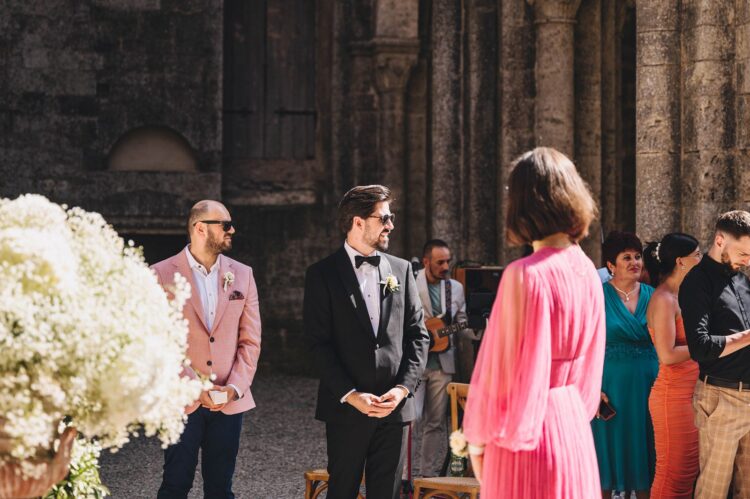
(661, 257)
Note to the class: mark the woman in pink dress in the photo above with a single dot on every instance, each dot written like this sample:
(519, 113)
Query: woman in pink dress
(536, 384)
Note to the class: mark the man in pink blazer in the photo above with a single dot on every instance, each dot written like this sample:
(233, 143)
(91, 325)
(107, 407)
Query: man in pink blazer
(223, 343)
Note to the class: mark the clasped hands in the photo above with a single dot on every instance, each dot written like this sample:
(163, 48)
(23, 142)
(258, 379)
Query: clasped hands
(376, 406)
(208, 403)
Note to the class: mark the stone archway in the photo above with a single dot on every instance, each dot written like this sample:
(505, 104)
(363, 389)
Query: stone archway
(152, 149)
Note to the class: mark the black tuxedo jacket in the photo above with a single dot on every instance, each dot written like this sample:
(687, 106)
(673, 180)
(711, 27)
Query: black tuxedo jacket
(347, 353)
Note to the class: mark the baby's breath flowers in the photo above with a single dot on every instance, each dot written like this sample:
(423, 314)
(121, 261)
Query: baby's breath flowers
(86, 332)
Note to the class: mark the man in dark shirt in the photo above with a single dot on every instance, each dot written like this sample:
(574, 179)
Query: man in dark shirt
(715, 303)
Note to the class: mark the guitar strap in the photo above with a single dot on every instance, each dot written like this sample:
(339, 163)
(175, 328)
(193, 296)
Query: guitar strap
(448, 315)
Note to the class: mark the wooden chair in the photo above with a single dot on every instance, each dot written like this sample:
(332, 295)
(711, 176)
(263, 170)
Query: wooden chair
(316, 482)
(452, 487)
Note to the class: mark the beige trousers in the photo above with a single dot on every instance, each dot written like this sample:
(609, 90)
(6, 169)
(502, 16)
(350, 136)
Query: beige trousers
(722, 416)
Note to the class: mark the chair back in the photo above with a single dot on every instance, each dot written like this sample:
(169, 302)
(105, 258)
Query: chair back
(453, 487)
(458, 393)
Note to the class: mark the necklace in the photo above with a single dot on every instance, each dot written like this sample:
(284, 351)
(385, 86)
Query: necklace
(627, 295)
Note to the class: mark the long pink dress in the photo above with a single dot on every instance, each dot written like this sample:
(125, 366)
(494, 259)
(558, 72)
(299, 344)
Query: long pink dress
(536, 384)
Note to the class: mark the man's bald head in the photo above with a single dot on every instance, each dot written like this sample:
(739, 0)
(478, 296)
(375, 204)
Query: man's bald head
(206, 209)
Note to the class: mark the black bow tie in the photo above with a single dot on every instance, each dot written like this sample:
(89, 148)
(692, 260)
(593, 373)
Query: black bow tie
(372, 260)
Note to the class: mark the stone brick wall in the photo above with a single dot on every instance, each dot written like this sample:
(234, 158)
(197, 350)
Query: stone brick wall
(78, 75)
(692, 148)
(434, 98)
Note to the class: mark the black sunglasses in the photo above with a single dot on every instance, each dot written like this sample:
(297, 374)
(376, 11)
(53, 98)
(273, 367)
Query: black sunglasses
(225, 224)
(385, 218)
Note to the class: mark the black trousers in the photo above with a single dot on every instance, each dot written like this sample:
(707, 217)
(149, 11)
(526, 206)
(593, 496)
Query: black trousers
(373, 446)
(217, 435)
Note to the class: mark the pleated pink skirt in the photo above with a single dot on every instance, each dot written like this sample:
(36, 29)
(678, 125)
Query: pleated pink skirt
(563, 465)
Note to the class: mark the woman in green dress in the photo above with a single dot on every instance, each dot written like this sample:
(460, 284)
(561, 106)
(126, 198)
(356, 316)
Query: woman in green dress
(625, 442)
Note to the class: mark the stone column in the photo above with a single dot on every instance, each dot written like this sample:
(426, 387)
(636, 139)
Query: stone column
(588, 112)
(481, 128)
(383, 52)
(517, 103)
(360, 121)
(742, 69)
(417, 223)
(330, 62)
(394, 60)
(709, 185)
(608, 196)
(625, 139)
(555, 20)
(446, 124)
(657, 118)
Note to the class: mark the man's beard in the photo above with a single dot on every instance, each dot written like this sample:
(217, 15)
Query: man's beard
(216, 245)
(377, 243)
(727, 262)
(442, 275)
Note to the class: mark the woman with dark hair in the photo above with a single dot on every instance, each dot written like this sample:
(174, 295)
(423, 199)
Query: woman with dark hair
(675, 434)
(660, 257)
(623, 432)
(536, 384)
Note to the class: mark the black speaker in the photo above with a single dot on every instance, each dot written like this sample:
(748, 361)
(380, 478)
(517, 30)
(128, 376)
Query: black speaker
(481, 289)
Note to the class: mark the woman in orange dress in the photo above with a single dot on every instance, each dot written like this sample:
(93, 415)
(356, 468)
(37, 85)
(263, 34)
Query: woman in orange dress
(675, 435)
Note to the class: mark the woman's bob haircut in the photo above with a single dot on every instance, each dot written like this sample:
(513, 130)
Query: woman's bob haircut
(547, 196)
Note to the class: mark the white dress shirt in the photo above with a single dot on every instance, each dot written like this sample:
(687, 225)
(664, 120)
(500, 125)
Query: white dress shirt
(369, 285)
(207, 284)
(368, 277)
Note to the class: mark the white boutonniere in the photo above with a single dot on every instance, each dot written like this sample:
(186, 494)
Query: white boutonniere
(228, 280)
(390, 284)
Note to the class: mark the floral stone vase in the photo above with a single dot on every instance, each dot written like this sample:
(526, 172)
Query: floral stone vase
(49, 469)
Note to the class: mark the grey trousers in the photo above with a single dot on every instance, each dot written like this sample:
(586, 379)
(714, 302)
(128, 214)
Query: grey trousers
(430, 435)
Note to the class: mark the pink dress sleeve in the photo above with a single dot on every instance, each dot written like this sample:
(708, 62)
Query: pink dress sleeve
(509, 388)
(590, 379)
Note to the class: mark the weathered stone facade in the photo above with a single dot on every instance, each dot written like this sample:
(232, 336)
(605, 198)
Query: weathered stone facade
(76, 76)
(278, 107)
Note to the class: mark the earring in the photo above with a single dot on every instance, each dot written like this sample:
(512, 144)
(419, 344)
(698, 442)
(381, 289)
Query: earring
(682, 267)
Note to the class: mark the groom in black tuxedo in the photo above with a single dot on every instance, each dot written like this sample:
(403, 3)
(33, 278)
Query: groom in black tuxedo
(365, 327)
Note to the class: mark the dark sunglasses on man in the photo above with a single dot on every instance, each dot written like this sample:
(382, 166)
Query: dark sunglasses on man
(385, 218)
(226, 225)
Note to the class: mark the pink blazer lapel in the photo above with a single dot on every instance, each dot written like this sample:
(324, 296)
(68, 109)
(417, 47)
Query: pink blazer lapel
(195, 300)
(225, 265)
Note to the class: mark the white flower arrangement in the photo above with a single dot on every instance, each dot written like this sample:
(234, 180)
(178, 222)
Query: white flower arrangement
(86, 333)
(228, 280)
(459, 445)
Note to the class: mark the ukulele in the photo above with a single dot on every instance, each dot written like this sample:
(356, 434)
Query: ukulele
(440, 332)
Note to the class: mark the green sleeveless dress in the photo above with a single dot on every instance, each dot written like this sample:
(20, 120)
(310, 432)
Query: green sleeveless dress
(625, 443)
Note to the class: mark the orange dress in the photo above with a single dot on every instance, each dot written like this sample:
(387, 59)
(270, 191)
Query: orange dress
(675, 434)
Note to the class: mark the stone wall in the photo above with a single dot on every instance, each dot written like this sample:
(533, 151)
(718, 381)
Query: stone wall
(692, 139)
(432, 97)
(79, 75)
